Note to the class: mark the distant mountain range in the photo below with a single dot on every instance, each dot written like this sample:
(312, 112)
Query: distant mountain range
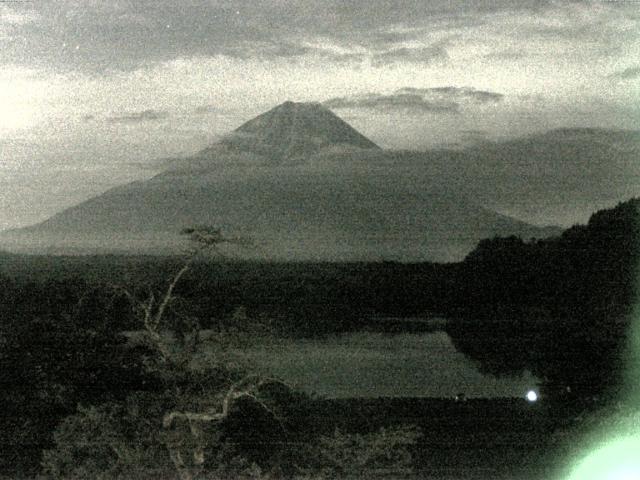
(556, 176)
(305, 185)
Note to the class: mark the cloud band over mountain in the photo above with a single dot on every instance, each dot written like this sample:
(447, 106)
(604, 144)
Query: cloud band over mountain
(445, 100)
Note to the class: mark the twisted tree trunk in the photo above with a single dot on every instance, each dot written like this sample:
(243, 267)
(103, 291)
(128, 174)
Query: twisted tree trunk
(248, 387)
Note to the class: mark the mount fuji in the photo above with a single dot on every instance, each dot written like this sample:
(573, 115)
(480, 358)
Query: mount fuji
(303, 184)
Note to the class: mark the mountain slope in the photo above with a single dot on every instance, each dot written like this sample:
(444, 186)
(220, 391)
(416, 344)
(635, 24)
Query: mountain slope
(301, 182)
(560, 176)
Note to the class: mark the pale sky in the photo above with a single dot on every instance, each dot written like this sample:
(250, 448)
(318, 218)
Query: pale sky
(94, 94)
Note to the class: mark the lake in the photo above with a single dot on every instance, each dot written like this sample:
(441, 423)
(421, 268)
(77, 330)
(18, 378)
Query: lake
(366, 364)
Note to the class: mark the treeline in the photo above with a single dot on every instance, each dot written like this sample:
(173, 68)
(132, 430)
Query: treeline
(301, 298)
(561, 307)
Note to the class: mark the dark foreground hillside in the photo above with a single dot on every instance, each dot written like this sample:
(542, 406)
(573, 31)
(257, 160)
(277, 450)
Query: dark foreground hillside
(474, 439)
(77, 401)
(562, 308)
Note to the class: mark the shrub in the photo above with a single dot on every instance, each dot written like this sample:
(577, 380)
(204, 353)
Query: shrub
(258, 436)
(112, 441)
(386, 452)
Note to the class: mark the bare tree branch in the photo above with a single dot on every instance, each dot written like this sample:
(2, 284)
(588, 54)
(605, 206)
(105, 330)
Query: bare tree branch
(247, 387)
(152, 312)
(168, 294)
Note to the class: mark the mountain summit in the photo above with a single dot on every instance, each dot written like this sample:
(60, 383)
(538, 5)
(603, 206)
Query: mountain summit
(294, 129)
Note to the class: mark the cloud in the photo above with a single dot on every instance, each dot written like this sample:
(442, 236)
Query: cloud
(9, 16)
(204, 109)
(136, 117)
(446, 100)
(505, 55)
(455, 94)
(629, 73)
(396, 101)
(123, 36)
(580, 30)
(265, 49)
(427, 55)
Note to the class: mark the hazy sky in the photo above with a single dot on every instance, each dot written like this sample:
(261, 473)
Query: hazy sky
(95, 93)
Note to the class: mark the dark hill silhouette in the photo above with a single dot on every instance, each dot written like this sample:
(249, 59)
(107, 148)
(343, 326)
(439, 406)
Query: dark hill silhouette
(561, 308)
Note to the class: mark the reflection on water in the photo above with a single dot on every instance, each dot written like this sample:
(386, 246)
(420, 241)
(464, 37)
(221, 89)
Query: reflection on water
(377, 364)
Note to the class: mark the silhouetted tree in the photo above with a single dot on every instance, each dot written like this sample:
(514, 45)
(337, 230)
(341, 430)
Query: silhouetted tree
(559, 307)
(191, 399)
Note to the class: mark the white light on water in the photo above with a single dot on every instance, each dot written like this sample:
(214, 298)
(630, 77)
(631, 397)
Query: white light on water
(532, 396)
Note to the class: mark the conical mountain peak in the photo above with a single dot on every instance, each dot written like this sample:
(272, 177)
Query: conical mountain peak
(294, 129)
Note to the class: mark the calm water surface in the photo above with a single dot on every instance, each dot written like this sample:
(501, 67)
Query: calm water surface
(377, 364)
